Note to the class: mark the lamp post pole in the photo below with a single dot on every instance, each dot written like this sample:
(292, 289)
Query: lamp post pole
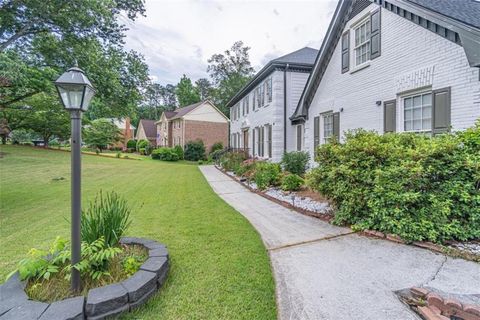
(76, 172)
(76, 92)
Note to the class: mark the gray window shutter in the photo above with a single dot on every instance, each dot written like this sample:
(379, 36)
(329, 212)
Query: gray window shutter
(299, 138)
(375, 26)
(269, 141)
(253, 142)
(390, 116)
(441, 111)
(345, 51)
(336, 125)
(316, 132)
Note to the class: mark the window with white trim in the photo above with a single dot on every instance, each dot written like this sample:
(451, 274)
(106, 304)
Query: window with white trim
(362, 42)
(327, 126)
(417, 112)
(269, 89)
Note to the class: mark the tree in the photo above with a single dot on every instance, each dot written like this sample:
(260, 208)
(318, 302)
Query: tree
(230, 72)
(101, 133)
(186, 93)
(47, 117)
(41, 39)
(204, 88)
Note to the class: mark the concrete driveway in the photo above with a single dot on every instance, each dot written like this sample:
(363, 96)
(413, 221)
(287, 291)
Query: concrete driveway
(327, 272)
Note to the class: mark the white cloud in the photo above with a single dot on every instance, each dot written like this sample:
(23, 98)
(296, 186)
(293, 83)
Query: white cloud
(178, 37)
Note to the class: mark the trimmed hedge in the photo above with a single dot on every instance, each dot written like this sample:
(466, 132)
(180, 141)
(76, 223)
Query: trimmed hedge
(417, 187)
(132, 144)
(165, 154)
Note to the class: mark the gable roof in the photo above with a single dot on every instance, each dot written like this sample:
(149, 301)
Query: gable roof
(302, 59)
(455, 26)
(149, 127)
(180, 112)
(466, 11)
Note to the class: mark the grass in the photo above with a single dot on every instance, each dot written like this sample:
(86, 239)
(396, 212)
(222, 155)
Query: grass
(219, 266)
(58, 288)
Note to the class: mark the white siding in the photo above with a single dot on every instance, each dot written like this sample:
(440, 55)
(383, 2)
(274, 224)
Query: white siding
(272, 113)
(205, 112)
(411, 58)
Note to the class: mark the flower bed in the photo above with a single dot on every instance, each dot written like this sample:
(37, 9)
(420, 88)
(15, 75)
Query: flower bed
(98, 303)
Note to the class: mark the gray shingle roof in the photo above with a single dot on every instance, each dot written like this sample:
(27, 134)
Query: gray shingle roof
(466, 11)
(149, 127)
(303, 56)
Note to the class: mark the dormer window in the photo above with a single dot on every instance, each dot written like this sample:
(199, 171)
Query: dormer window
(362, 42)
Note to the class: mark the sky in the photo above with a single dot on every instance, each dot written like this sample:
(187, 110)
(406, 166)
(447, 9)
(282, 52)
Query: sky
(178, 36)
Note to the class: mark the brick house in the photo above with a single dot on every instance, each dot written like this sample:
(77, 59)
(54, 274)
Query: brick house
(127, 131)
(147, 130)
(199, 121)
(393, 66)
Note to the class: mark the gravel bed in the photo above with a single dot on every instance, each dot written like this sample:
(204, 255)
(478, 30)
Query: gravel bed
(300, 202)
(472, 247)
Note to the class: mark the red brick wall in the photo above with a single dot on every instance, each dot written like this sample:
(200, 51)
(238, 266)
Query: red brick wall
(208, 132)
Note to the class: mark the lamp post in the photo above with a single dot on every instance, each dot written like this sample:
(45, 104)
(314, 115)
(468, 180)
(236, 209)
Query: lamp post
(76, 92)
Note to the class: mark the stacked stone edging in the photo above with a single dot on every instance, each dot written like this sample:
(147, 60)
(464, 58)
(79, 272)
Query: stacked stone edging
(100, 302)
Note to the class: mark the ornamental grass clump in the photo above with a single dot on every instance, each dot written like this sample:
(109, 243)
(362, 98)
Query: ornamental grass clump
(411, 185)
(108, 217)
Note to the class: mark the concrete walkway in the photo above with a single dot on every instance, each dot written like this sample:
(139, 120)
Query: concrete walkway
(327, 272)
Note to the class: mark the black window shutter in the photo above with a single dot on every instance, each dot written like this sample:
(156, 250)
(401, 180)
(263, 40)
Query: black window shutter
(345, 51)
(390, 116)
(375, 26)
(441, 111)
(336, 125)
(316, 132)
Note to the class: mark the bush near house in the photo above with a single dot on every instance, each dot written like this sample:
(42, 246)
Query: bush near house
(295, 162)
(165, 154)
(131, 144)
(266, 174)
(231, 161)
(216, 146)
(292, 182)
(179, 151)
(194, 150)
(417, 187)
(143, 147)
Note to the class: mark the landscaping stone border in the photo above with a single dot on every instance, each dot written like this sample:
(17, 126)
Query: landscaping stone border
(100, 302)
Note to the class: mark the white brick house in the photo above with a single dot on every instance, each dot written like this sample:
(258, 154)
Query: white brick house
(396, 65)
(260, 112)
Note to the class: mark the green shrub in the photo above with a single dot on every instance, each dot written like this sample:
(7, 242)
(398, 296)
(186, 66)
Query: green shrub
(215, 155)
(132, 144)
(165, 154)
(266, 174)
(179, 151)
(231, 161)
(131, 264)
(143, 147)
(108, 217)
(295, 162)
(194, 150)
(216, 146)
(417, 187)
(292, 182)
(142, 150)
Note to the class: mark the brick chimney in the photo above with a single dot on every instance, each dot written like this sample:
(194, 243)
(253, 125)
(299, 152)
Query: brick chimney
(128, 132)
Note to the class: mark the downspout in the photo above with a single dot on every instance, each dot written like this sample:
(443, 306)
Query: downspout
(285, 109)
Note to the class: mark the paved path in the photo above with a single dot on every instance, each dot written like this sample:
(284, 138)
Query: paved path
(326, 272)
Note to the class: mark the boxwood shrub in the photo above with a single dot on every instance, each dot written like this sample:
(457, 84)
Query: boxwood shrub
(417, 187)
(266, 174)
(291, 182)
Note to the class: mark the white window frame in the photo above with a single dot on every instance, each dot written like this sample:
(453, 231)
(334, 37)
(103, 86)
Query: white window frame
(269, 89)
(327, 130)
(402, 110)
(365, 21)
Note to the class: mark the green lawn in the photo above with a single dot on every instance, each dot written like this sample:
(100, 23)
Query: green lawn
(219, 267)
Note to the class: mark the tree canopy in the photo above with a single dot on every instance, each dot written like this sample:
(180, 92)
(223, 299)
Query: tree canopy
(101, 133)
(186, 92)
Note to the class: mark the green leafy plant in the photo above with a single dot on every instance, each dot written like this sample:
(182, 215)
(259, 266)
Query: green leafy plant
(165, 154)
(131, 264)
(194, 150)
(216, 146)
(108, 217)
(295, 162)
(266, 174)
(414, 186)
(231, 161)
(292, 182)
(179, 151)
(132, 144)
